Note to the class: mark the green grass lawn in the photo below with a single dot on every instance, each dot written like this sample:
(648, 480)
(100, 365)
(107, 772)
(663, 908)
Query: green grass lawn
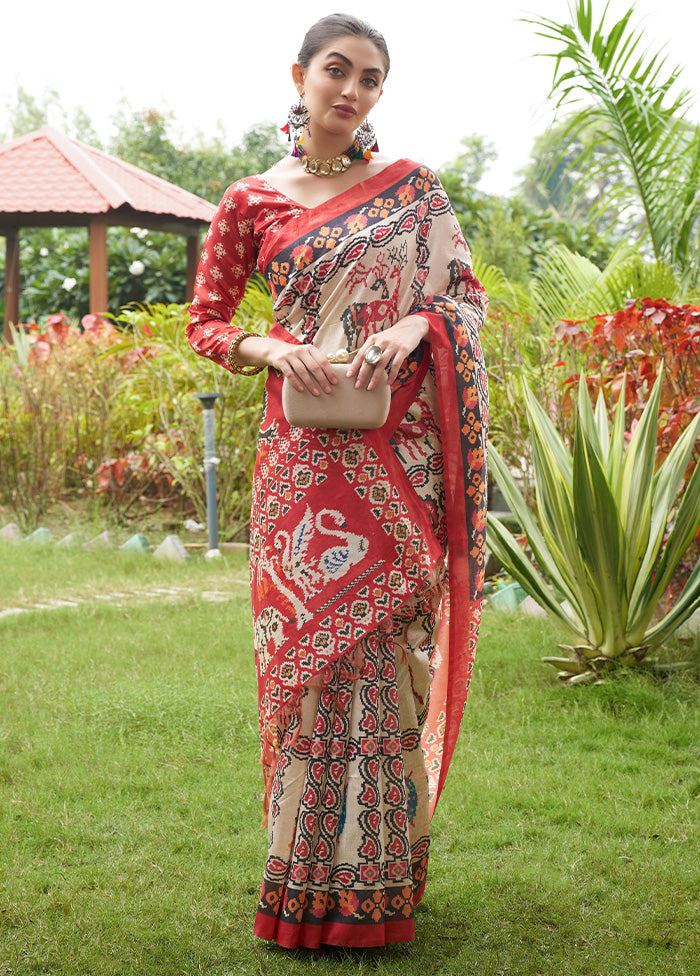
(567, 840)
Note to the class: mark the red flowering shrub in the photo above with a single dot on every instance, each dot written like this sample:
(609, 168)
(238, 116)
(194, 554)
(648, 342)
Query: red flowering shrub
(635, 343)
(61, 416)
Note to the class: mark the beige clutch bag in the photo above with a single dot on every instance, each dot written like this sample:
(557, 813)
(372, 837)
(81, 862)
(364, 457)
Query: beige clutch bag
(345, 407)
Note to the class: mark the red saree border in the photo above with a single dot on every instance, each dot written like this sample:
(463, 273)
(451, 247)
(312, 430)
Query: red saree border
(460, 659)
(350, 199)
(307, 936)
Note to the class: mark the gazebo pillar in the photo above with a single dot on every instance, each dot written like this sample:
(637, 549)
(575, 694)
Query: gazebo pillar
(99, 287)
(192, 264)
(11, 282)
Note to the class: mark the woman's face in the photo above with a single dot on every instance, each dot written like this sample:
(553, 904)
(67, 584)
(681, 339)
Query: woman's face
(340, 85)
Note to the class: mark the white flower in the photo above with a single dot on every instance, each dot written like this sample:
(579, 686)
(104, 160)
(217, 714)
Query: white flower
(44, 252)
(69, 283)
(140, 232)
(137, 267)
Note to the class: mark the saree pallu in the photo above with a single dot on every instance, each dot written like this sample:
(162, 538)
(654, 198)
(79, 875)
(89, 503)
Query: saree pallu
(367, 547)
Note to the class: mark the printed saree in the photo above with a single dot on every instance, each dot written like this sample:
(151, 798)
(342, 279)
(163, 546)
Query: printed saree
(367, 547)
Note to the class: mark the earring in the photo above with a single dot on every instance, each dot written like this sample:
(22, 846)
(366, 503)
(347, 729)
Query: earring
(297, 121)
(366, 138)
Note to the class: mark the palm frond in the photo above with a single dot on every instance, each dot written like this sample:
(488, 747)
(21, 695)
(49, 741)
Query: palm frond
(634, 103)
(561, 282)
(502, 292)
(569, 286)
(632, 277)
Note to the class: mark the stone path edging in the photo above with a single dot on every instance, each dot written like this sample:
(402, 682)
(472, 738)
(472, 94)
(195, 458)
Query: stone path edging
(170, 549)
(119, 597)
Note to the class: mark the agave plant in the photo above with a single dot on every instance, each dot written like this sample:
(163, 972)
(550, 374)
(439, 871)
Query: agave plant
(608, 535)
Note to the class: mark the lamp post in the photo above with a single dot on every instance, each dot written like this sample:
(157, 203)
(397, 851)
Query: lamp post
(210, 464)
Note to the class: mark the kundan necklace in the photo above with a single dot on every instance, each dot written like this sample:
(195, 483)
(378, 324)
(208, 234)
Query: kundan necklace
(326, 167)
(335, 165)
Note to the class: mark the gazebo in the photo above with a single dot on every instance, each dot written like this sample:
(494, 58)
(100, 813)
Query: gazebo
(49, 180)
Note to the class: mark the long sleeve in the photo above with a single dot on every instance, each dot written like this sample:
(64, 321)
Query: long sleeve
(228, 260)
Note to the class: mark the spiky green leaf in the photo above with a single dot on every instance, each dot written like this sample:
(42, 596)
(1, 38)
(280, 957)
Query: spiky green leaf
(600, 536)
(667, 482)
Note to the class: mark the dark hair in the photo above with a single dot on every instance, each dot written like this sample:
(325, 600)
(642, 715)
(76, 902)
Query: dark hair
(340, 25)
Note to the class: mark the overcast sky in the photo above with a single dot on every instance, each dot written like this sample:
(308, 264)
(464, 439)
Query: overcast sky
(457, 67)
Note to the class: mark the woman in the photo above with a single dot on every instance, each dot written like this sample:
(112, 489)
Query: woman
(367, 547)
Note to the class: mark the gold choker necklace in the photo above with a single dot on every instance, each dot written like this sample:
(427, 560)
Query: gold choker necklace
(326, 167)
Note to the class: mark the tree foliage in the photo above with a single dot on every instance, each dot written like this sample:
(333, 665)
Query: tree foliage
(204, 167)
(144, 266)
(512, 233)
(556, 181)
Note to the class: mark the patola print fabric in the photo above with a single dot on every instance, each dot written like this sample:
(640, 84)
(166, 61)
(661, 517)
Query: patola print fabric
(367, 547)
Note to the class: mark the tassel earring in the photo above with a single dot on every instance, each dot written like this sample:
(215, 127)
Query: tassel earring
(366, 139)
(297, 121)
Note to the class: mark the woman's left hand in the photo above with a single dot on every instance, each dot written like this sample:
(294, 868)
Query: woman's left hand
(396, 343)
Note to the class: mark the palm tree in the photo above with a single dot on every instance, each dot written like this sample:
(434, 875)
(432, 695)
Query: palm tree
(632, 101)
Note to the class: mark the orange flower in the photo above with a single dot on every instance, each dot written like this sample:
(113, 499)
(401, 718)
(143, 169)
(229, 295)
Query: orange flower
(348, 902)
(302, 255)
(475, 458)
(356, 222)
(272, 898)
(318, 905)
(374, 906)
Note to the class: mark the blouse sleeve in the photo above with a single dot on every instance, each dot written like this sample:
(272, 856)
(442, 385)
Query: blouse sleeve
(228, 260)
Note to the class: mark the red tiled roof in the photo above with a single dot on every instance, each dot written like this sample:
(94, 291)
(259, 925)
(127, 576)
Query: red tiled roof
(46, 172)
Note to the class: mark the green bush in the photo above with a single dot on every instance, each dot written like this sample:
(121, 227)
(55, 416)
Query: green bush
(56, 411)
(144, 266)
(106, 412)
(163, 389)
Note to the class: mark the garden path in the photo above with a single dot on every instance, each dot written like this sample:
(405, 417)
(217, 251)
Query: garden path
(127, 595)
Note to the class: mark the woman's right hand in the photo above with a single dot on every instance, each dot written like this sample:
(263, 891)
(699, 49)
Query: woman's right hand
(304, 365)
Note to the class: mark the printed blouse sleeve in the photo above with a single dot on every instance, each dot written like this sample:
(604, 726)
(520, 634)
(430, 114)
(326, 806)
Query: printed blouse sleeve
(228, 260)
